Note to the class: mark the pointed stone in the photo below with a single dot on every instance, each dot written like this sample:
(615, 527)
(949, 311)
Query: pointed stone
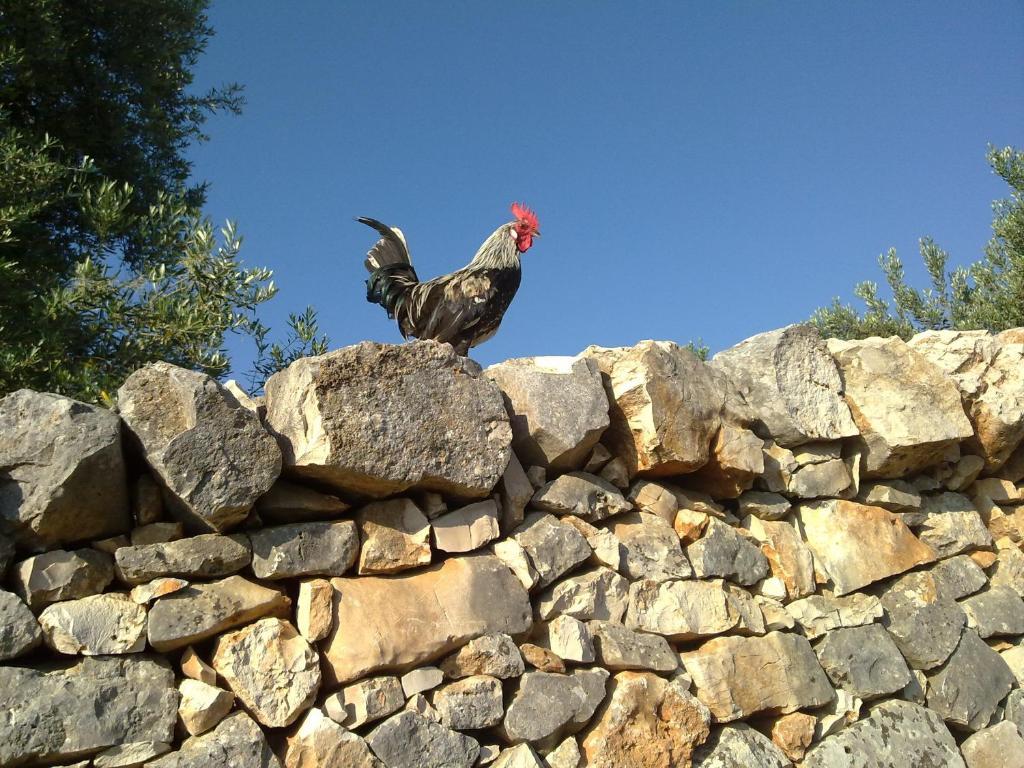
(494, 655)
(925, 626)
(722, 552)
(738, 746)
(619, 648)
(237, 742)
(996, 611)
(599, 593)
(734, 461)
(554, 548)
(689, 610)
(61, 575)
(788, 557)
(202, 706)
(819, 614)
(586, 496)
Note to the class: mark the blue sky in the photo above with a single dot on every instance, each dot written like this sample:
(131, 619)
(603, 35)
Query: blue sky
(705, 170)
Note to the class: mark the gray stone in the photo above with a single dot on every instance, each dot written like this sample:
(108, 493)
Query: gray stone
(586, 496)
(425, 679)
(651, 547)
(407, 620)
(1008, 570)
(287, 502)
(619, 648)
(722, 552)
(819, 614)
(996, 611)
(130, 755)
(470, 703)
(1014, 711)
(689, 610)
(101, 624)
(864, 661)
(409, 740)
(738, 746)
(494, 655)
(204, 610)
(925, 626)
(61, 575)
(1000, 746)
(908, 412)
(367, 701)
(894, 495)
(791, 381)
(378, 419)
(952, 525)
(65, 712)
(599, 593)
(19, 630)
(554, 547)
(548, 707)
(212, 456)
(897, 734)
(467, 528)
(237, 742)
(967, 690)
(737, 677)
(206, 556)
(319, 742)
(304, 549)
(764, 505)
(156, 533)
(813, 481)
(558, 408)
(957, 577)
(514, 492)
(62, 474)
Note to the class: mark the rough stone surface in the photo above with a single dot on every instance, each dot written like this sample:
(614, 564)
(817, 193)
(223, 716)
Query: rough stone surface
(367, 701)
(548, 707)
(665, 406)
(788, 557)
(651, 547)
(60, 575)
(969, 687)
(377, 419)
(212, 455)
(952, 525)
(925, 626)
(793, 734)
(1000, 746)
(271, 668)
(202, 706)
(722, 552)
(541, 658)
(599, 593)
(908, 412)
(313, 615)
(764, 505)
(996, 611)
(471, 703)
(409, 740)
(648, 722)
(287, 502)
(819, 614)
(738, 746)
(19, 630)
(897, 734)
(514, 492)
(62, 474)
(554, 548)
(425, 679)
(454, 602)
(1008, 570)
(204, 610)
(894, 495)
(319, 742)
(304, 549)
(737, 677)
(567, 638)
(792, 385)
(494, 655)
(735, 460)
(1014, 711)
(237, 742)
(689, 610)
(66, 712)
(830, 478)
(586, 496)
(208, 556)
(394, 536)
(988, 372)
(558, 408)
(864, 661)
(519, 756)
(467, 528)
(857, 545)
(618, 648)
(957, 577)
(101, 624)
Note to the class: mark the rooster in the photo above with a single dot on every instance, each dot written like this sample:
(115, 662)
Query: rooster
(464, 308)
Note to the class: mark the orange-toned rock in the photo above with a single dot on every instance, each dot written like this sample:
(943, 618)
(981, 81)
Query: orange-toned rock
(793, 734)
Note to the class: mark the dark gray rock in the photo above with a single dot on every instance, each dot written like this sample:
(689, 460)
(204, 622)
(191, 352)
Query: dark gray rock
(6, 554)
(952, 525)
(996, 611)
(212, 455)
(207, 556)
(863, 661)
(967, 690)
(66, 712)
(471, 703)
(304, 549)
(722, 552)
(578, 493)
(926, 627)
(410, 740)
(378, 419)
(738, 746)
(62, 474)
(651, 545)
(897, 734)
(287, 502)
(61, 575)
(547, 707)
(237, 742)
(554, 548)
(1014, 709)
(19, 630)
(620, 648)
(957, 577)
(494, 655)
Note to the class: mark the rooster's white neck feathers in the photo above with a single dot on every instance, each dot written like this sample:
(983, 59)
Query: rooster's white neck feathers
(498, 251)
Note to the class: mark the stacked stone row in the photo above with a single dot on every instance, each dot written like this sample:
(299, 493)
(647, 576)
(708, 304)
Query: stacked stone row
(801, 553)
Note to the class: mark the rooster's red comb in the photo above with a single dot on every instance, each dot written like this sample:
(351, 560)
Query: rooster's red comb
(525, 215)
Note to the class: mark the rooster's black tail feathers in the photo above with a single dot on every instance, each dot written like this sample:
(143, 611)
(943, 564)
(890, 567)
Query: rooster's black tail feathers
(390, 267)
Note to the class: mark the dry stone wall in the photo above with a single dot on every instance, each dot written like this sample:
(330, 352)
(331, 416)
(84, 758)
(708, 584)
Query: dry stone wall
(803, 552)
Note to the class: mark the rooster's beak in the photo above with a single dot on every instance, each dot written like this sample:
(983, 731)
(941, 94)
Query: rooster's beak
(536, 233)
